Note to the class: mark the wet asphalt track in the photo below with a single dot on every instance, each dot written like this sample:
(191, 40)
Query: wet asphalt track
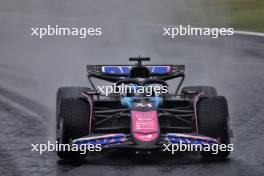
(32, 69)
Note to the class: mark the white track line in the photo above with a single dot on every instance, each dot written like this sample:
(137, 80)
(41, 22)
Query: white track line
(250, 33)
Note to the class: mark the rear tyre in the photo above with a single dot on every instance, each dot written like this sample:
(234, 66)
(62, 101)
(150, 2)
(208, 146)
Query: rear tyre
(192, 91)
(72, 118)
(213, 121)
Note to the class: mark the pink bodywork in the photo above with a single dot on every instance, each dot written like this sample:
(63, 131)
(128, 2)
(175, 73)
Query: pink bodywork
(145, 125)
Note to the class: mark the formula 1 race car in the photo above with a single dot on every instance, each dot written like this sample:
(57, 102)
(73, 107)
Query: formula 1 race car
(134, 120)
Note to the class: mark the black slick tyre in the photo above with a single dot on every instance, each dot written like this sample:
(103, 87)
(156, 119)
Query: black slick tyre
(213, 121)
(73, 113)
(192, 91)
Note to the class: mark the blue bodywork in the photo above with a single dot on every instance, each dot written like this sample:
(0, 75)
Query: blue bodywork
(103, 139)
(128, 101)
(125, 69)
(176, 138)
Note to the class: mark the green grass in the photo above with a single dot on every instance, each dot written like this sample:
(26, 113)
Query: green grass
(246, 14)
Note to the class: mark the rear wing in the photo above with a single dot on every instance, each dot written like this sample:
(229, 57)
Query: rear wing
(114, 73)
(123, 70)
